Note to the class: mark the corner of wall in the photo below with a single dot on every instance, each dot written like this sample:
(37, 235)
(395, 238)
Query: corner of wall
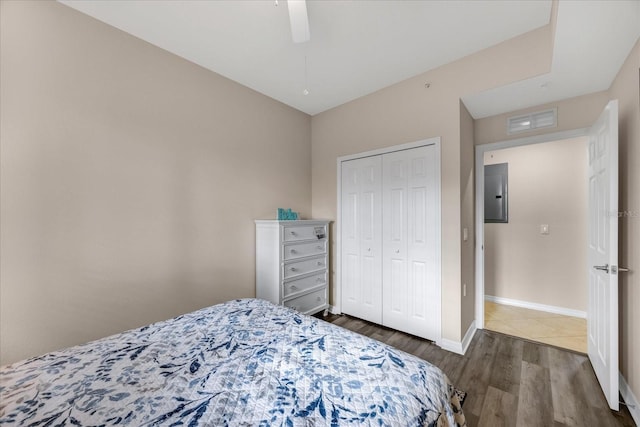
(467, 219)
(460, 347)
(630, 399)
(626, 89)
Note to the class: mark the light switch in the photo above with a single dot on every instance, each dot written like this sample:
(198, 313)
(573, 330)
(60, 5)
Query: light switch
(544, 228)
(465, 234)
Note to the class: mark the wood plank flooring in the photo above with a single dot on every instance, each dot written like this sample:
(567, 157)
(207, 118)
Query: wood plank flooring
(510, 381)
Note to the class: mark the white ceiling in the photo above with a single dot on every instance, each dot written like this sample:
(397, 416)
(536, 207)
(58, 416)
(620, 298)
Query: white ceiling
(592, 40)
(358, 47)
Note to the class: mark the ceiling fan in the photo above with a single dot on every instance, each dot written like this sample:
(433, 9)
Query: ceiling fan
(299, 20)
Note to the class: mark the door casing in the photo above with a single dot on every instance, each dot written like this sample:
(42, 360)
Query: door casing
(479, 172)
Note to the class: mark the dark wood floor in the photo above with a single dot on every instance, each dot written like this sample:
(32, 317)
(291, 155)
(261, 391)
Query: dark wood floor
(510, 381)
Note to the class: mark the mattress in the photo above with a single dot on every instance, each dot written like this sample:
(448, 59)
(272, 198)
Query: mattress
(242, 363)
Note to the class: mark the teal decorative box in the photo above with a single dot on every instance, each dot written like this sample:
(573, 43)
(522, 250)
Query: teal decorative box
(287, 215)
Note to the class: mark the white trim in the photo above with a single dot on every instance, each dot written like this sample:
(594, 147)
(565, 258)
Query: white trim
(451, 345)
(460, 347)
(337, 305)
(466, 340)
(334, 310)
(392, 149)
(337, 286)
(438, 263)
(535, 306)
(479, 167)
(630, 400)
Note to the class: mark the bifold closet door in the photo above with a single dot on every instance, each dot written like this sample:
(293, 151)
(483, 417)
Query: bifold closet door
(409, 254)
(361, 233)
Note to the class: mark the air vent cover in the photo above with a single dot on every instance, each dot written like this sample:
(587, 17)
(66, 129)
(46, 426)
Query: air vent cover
(532, 121)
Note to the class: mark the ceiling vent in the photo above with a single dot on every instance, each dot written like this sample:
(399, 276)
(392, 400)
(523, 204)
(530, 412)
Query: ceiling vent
(532, 121)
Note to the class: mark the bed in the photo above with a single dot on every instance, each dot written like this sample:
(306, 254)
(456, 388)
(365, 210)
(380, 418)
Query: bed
(241, 363)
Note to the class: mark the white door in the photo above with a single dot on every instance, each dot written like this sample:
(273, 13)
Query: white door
(361, 275)
(395, 287)
(602, 312)
(410, 282)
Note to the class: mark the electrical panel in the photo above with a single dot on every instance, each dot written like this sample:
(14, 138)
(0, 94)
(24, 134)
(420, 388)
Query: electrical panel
(496, 196)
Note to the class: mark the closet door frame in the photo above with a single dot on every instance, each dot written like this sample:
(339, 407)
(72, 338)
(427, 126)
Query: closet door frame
(337, 288)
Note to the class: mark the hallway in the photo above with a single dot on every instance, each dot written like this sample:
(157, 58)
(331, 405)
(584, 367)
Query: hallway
(549, 328)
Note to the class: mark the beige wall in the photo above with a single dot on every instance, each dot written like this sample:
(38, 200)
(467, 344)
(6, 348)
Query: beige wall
(547, 185)
(626, 89)
(467, 217)
(407, 112)
(130, 179)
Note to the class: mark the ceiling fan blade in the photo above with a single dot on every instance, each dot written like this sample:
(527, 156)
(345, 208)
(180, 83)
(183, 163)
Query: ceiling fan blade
(299, 20)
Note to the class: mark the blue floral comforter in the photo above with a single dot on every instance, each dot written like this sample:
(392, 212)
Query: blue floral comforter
(241, 363)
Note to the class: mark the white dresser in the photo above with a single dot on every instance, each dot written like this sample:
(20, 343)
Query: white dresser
(292, 263)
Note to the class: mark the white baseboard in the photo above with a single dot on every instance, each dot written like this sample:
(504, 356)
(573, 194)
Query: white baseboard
(535, 306)
(460, 347)
(466, 340)
(630, 399)
(452, 346)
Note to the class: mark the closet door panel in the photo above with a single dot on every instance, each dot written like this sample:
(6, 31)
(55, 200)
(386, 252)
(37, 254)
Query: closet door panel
(371, 238)
(370, 254)
(416, 251)
(350, 282)
(395, 299)
(361, 277)
(396, 217)
(350, 237)
(417, 308)
(395, 286)
(421, 249)
(409, 250)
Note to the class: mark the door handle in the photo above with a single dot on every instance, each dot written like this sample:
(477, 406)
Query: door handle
(602, 267)
(615, 269)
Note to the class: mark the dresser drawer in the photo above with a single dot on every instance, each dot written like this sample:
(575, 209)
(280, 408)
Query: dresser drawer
(313, 301)
(297, 268)
(301, 285)
(300, 250)
(304, 232)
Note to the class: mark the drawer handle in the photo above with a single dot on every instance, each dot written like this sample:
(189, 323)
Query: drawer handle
(293, 269)
(319, 247)
(294, 307)
(318, 279)
(319, 299)
(293, 233)
(397, 251)
(293, 251)
(293, 288)
(319, 262)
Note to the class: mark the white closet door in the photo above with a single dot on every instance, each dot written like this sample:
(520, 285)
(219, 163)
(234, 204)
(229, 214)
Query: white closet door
(409, 242)
(395, 288)
(423, 250)
(361, 238)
